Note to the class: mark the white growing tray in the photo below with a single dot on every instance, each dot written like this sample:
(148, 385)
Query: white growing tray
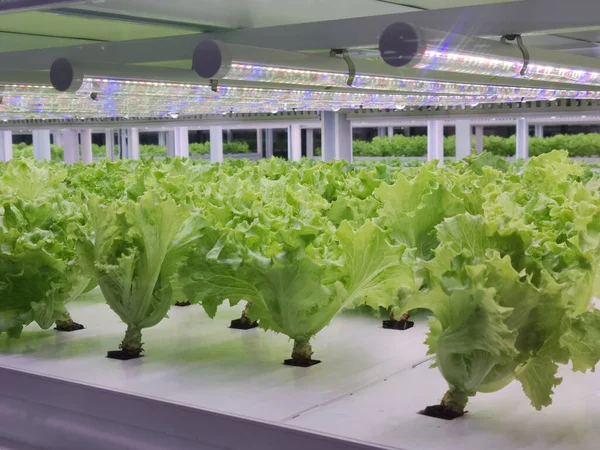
(204, 386)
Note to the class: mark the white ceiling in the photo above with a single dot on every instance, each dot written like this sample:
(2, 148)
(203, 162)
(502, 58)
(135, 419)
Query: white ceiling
(261, 13)
(235, 14)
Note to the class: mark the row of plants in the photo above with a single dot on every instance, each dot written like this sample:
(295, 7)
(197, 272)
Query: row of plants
(579, 145)
(503, 257)
(146, 151)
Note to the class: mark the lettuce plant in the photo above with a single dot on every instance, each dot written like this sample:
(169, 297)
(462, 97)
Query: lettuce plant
(510, 289)
(137, 248)
(280, 253)
(40, 267)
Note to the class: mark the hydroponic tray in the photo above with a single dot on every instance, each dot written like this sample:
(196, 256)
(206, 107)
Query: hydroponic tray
(203, 386)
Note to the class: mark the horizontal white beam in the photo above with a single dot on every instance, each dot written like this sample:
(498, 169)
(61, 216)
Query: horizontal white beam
(578, 119)
(266, 122)
(96, 418)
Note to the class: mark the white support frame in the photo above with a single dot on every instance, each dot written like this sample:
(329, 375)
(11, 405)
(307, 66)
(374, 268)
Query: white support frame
(539, 130)
(336, 136)
(110, 144)
(310, 143)
(269, 143)
(169, 137)
(162, 138)
(86, 146)
(522, 138)
(181, 142)
(435, 140)
(57, 139)
(479, 139)
(260, 143)
(71, 146)
(464, 141)
(41, 144)
(6, 149)
(134, 144)
(216, 144)
(294, 142)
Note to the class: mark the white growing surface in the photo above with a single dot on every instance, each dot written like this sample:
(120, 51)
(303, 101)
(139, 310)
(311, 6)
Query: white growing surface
(366, 388)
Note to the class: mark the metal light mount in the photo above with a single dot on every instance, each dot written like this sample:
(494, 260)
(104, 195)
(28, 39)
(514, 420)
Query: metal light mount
(351, 67)
(526, 57)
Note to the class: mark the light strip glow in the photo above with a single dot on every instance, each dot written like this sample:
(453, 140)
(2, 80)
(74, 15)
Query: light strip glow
(131, 99)
(118, 88)
(271, 74)
(433, 59)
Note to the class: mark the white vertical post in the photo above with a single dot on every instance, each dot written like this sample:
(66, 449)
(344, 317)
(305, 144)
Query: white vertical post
(110, 144)
(463, 139)
(162, 138)
(123, 140)
(381, 132)
(269, 143)
(71, 146)
(181, 142)
(479, 139)
(337, 136)
(216, 144)
(435, 140)
(229, 136)
(390, 131)
(6, 151)
(170, 143)
(539, 130)
(57, 139)
(259, 142)
(41, 144)
(294, 142)
(86, 146)
(310, 143)
(522, 138)
(134, 144)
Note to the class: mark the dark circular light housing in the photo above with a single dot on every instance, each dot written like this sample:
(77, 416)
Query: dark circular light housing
(400, 44)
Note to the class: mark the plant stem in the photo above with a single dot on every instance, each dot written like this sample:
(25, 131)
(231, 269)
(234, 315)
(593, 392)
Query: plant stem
(244, 319)
(132, 343)
(455, 400)
(65, 324)
(302, 350)
(245, 313)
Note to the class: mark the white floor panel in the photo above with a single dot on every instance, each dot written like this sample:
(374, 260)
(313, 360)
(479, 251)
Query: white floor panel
(193, 360)
(366, 389)
(386, 413)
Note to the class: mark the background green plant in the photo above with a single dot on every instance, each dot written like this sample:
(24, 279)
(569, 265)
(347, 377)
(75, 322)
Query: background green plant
(577, 145)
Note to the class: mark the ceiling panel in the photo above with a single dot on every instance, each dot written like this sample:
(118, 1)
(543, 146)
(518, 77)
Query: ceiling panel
(64, 26)
(438, 4)
(248, 13)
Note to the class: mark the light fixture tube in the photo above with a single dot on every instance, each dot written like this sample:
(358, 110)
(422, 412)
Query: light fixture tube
(405, 45)
(215, 60)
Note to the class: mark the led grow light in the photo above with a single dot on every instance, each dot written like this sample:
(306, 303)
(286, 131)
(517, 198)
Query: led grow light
(405, 45)
(157, 98)
(139, 89)
(214, 60)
